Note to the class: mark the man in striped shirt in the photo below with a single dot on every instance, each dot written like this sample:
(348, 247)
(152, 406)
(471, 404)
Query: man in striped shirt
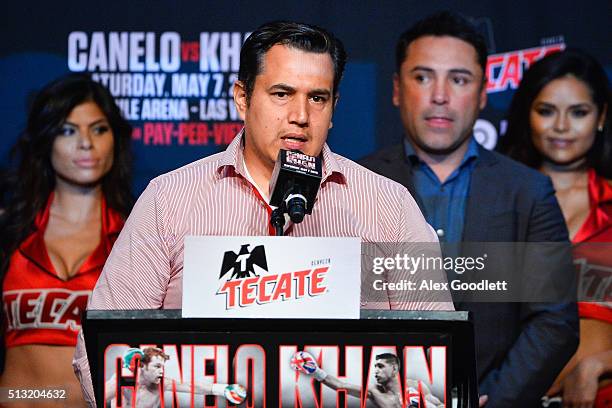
(286, 92)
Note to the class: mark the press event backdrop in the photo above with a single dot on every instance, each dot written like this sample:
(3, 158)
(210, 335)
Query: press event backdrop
(171, 64)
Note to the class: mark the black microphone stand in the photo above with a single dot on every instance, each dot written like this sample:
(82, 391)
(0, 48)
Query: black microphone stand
(277, 219)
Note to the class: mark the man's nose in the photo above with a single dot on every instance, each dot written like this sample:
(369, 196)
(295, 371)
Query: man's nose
(299, 111)
(439, 92)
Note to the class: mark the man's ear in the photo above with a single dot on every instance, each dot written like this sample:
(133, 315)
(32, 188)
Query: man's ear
(331, 124)
(396, 85)
(240, 99)
(483, 95)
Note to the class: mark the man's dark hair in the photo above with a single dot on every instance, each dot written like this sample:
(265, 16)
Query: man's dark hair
(389, 358)
(300, 36)
(444, 23)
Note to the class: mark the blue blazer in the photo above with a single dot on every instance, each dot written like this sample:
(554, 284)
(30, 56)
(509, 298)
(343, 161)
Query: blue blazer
(520, 347)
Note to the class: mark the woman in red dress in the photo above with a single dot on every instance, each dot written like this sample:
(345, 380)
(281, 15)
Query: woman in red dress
(69, 197)
(559, 123)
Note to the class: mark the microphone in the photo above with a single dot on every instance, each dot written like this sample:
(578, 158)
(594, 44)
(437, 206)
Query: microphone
(295, 182)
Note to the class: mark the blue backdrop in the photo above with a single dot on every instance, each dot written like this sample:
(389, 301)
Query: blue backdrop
(171, 64)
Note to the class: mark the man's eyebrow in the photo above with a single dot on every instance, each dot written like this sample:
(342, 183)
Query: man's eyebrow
(290, 89)
(320, 91)
(421, 68)
(463, 71)
(282, 87)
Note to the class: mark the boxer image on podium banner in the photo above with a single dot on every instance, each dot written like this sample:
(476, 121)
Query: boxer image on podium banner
(385, 393)
(147, 366)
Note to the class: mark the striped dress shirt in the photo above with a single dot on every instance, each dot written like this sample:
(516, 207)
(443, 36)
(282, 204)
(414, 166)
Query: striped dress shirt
(213, 196)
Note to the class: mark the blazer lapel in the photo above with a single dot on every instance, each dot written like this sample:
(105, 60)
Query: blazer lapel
(481, 200)
(402, 166)
(482, 197)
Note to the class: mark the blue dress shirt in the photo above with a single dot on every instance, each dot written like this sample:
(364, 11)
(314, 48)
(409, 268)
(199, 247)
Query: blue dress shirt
(443, 204)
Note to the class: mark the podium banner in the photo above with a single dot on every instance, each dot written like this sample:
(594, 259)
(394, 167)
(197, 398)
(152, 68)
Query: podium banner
(142, 357)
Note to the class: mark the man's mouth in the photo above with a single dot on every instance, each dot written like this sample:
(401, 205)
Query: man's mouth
(439, 121)
(293, 141)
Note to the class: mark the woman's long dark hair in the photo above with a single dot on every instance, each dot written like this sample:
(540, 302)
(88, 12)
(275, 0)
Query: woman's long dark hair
(518, 143)
(33, 179)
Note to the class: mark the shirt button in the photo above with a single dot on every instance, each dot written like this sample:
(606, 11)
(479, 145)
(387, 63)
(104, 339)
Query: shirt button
(440, 232)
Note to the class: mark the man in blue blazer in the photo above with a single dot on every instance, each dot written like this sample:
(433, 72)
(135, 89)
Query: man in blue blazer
(468, 193)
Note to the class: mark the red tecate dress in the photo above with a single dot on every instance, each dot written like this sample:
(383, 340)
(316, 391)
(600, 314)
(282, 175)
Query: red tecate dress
(593, 259)
(38, 306)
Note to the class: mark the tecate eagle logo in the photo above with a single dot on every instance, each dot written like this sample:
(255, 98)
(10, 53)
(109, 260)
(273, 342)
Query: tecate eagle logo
(245, 287)
(242, 263)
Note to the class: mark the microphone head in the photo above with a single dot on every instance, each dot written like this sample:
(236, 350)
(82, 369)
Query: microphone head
(295, 174)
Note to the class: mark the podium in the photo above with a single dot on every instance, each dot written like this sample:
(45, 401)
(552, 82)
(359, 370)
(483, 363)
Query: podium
(433, 349)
